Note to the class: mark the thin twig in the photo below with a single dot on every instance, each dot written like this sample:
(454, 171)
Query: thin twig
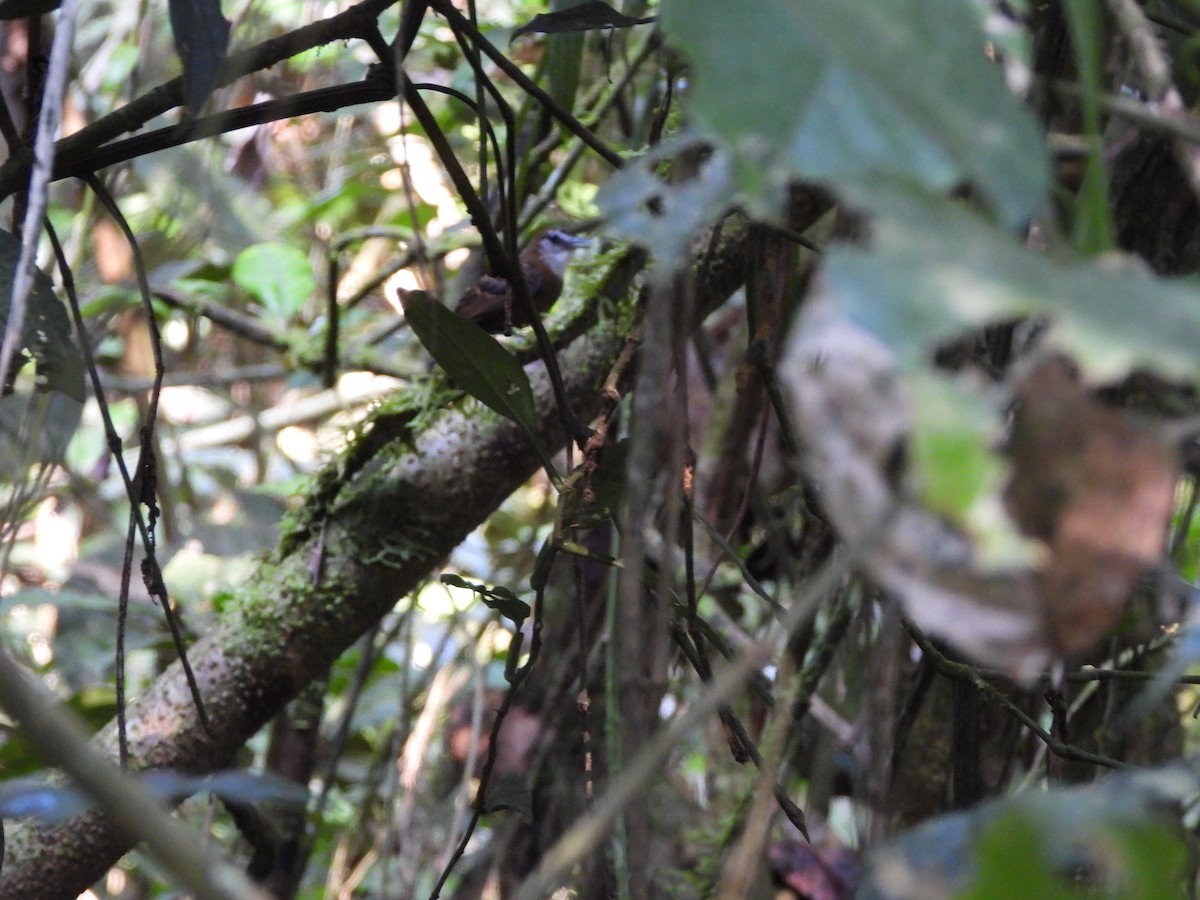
(965, 672)
(517, 679)
(147, 466)
(327, 99)
(1136, 111)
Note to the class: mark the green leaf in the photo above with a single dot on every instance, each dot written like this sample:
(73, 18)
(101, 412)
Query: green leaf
(503, 593)
(278, 276)
(1037, 846)
(855, 93)
(935, 271)
(1187, 555)
(950, 446)
(564, 56)
(1012, 861)
(476, 362)
(201, 39)
(1093, 219)
(499, 598)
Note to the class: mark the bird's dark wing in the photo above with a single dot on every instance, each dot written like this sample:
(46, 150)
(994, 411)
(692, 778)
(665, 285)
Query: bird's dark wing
(488, 304)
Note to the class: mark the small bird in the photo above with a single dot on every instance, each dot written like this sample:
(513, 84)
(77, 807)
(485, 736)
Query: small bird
(490, 303)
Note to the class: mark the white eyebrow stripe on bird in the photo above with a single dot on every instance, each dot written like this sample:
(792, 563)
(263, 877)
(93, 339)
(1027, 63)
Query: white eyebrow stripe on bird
(489, 303)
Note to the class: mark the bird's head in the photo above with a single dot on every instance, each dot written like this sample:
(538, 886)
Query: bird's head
(553, 249)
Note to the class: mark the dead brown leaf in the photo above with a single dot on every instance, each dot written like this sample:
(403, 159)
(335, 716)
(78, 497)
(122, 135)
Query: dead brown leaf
(1092, 485)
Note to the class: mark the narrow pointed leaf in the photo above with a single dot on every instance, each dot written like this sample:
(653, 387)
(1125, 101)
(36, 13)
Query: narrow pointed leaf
(475, 360)
(589, 16)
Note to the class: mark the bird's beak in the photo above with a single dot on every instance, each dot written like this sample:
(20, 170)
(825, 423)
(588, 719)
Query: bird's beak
(576, 241)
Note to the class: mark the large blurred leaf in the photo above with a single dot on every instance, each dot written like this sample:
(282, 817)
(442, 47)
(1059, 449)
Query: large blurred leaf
(201, 39)
(1015, 580)
(858, 92)
(277, 275)
(1114, 839)
(641, 205)
(1094, 489)
(934, 271)
(46, 334)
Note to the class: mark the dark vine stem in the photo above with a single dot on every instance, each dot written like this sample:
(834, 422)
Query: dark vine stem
(147, 467)
(509, 68)
(964, 672)
(515, 681)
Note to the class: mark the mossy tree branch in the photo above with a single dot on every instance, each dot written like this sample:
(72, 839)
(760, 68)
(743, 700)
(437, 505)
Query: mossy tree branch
(374, 524)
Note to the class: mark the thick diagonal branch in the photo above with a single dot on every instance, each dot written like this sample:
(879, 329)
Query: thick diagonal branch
(374, 525)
